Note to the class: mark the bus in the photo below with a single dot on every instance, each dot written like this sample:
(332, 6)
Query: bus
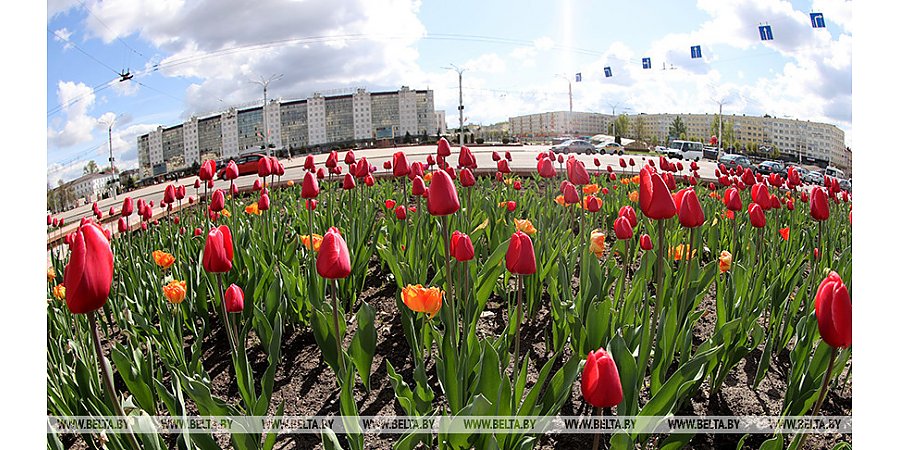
(834, 172)
(687, 150)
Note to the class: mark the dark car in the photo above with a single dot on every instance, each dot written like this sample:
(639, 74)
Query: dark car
(770, 167)
(732, 160)
(247, 164)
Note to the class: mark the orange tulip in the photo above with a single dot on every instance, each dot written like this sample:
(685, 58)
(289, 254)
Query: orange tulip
(175, 291)
(59, 292)
(51, 274)
(633, 196)
(252, 208)
(598, 243)
(428, 176)
(316, 241)
(724, 262)
(559, 200)
(680, 252)
(423, 300)
(163, 260)
(525, 226)
(785, 233)
(590, 189)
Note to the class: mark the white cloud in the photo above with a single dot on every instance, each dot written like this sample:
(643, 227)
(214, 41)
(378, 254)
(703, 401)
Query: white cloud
(77, 99)
(486, 63)
(63, 35)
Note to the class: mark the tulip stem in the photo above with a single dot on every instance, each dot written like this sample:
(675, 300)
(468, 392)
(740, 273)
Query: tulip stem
(107, 379)
(445, 225)
(228, 326)
(822, 393)
(337, 331)
(518, 326)
(597, 412)
(659, 278)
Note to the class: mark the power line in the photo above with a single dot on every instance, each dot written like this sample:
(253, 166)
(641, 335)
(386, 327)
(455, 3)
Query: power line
(82, 50)
(110, 30)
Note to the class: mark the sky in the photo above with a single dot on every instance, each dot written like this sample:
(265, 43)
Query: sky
(199, 57)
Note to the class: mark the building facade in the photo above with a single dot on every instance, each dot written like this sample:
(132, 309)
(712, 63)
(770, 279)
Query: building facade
(316, 122)
(92, 186)
(804, 141)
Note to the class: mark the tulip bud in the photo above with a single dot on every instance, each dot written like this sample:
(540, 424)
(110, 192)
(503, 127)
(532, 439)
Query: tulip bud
(231, 170)
(654, 197)
(833, 311)
(442, 198)
(207, 170)
(623, 229)
(218, 251)
(400, 213)
(576, 173)
(690, 212)
(520, 255)
(369, 180)
(646, 243)
(333, 260)
(600, 383)
(757, 216)
(443, 147)
(234, 299)
(818, 204)
(724, 261)
(263, 204)
(466, 178)
(89, 273)
(349, 182)
(218, 201)
(510, 206)
(461, 247)
(310, 186)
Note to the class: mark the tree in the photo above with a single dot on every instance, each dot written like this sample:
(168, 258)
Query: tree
(678, 128)
(407, 138)
(639, 129)
(91, 167)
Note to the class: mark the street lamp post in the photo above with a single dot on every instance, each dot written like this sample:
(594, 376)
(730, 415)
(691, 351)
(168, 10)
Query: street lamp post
(614, 106)
(264, 82)
(112, 160)
(459, 71)
(721, 102)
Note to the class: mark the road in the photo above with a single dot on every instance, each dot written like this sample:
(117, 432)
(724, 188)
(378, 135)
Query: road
(523, 161)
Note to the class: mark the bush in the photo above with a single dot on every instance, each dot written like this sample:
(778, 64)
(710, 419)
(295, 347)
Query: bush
(479, 141)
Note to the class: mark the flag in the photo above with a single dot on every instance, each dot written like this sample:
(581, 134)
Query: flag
(607, 71)
(817, 19)
(695, 52)
(765, 32)
(645, 62)
(578, 77)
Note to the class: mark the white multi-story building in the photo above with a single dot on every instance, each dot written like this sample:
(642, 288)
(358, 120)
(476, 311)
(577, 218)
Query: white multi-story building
(315, 121)
(806, 141)
(440, 122)
(92, 186)
(315, 109)
(230, 141)
(362, 115)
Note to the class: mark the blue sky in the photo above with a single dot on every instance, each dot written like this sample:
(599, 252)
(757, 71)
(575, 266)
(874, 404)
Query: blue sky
(200, 56)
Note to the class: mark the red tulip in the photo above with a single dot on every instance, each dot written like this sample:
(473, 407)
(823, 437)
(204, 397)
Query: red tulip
(218, 201)
(310, 186)
(127, 207)
(622, 163)
(623, 229)
(333, 260)
(654, 197)
(510, 206)
(89, 273)
(234, 299)
(429, 160)
(503, 166)
(231, 170)
(545, 168)
(461, 247)
(495, 156)
(442, 198)
(349, 182)
(416, 169)
(600, 384)
(218, 251)
(362, 168)
(176, 220)
(759, 193)
(443, 147)
(233, 190)
(263, 203)
(605, 191)
(112, 211)
(264, 167)
(207, 170)
(833, 311)
(508, 155)
(818, 204)
(320, 174)
(593, 204)
(197, 183)
(628, 213)
(418, 186)
(369, 180)
(466, 178)
(309, 164)
(733, 199)
(570, 193)
(209, 185)
(451, 172)
(466, 158)
(123, 227)
(180, 192)
(197, 231)
(690, 212)
(349, 157)
(757, 216)
(559, 159)
(332, 160)
(400, 165)
(520, 255)
(400, 213)
(576, 173)
(389, 204)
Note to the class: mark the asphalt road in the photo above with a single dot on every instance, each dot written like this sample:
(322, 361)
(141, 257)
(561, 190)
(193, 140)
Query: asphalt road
(523, 160)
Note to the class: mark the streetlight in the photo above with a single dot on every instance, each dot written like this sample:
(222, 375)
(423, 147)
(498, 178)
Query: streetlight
(614, 106)
(722, 101)
(565, 77)
(112, 160)
(459, 71)
(264, 82)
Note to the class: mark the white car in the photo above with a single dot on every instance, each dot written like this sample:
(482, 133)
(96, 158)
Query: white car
(612, 148)
(814, 178)
(686, 150)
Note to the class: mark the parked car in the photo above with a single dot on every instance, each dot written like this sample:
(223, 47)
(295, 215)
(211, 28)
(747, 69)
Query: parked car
(574, 146)
(845, 185)
(661, 149)
(686, 150)
(613, 148)
(710, 153)
(732, 160)
(770, 167)
(814, 178)
(800, 169)
(247, 164)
